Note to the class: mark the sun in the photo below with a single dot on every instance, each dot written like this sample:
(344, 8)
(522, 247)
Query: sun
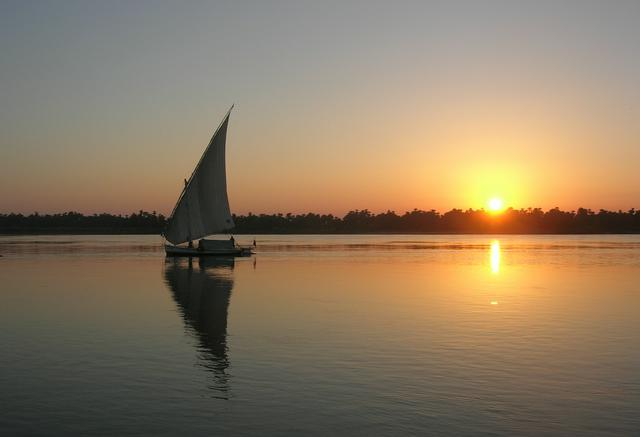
(495, 204)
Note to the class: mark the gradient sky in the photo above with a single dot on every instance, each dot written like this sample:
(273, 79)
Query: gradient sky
(107, 106)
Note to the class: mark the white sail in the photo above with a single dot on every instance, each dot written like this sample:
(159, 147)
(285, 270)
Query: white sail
(203, 207)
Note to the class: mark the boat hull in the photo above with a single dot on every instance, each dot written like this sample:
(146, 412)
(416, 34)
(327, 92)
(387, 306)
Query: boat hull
(193, 251)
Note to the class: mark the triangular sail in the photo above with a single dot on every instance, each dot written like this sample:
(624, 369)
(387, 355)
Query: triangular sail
(203, 208)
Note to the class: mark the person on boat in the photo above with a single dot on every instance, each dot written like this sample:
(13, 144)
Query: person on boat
(254, 242)
(190, 244)
(233, 241)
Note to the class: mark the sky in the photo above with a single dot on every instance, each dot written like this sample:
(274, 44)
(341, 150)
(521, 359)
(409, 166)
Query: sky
(107, 106)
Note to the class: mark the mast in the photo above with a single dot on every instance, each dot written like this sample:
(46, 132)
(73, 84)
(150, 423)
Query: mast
(186, 202)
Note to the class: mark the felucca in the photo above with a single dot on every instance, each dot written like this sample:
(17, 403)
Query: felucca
(203, 206)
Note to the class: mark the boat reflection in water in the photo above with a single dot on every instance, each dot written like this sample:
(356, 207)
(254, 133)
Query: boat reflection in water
(202, 294)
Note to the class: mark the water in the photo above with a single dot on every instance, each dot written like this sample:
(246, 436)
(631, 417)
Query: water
(322, 335)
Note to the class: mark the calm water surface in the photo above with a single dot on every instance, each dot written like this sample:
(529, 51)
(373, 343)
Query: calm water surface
(322, 335)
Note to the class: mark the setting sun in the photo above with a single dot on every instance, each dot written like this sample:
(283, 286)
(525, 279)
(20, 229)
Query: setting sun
(495, 204)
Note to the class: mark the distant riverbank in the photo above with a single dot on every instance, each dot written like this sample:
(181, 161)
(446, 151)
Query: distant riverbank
(72, 231)
(76, 231)
(524, 221)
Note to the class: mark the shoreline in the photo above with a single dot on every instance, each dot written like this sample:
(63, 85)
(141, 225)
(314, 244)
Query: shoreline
(137, 232)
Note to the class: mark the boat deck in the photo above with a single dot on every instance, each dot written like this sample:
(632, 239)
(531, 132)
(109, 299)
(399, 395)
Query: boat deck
(193, 251)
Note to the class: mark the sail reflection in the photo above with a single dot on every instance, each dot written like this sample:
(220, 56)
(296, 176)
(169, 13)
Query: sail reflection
(495, 257)
(202, 295)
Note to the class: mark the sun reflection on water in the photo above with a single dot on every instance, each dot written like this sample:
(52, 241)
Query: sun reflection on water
(495, 257)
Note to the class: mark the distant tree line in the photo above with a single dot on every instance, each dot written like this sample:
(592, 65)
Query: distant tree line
(511, 221)
(75, 223)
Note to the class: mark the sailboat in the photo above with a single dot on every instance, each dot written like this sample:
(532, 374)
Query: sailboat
(203, 206)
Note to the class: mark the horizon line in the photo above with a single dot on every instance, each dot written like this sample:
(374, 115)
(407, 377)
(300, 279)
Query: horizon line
(470, 209)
